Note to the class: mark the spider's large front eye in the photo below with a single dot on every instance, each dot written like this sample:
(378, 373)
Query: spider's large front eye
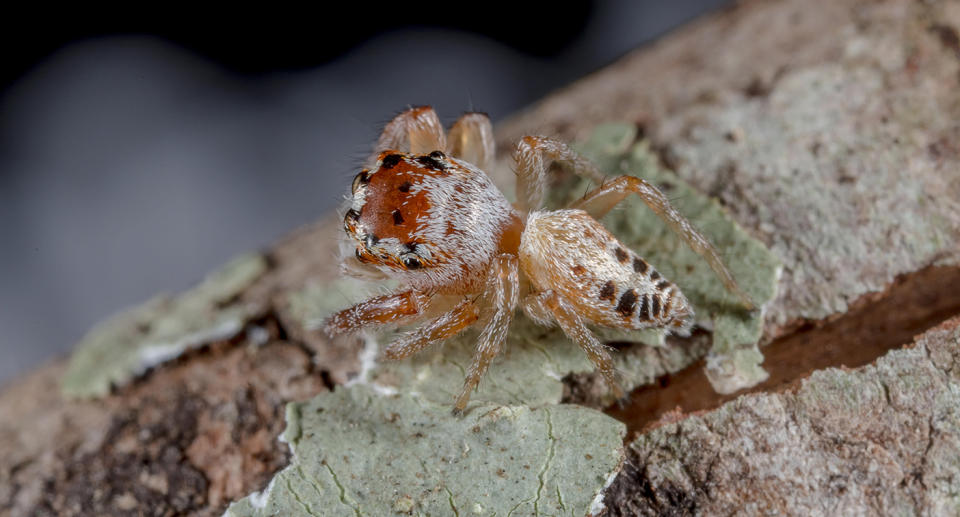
(360, 179)
(412, 262)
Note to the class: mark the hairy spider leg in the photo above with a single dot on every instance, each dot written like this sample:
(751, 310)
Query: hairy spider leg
(471, 139)
(501, 294)
(380, 310)
(576, 329)
(417, 130)
(447, 325)
(599, 201)
(532, 156)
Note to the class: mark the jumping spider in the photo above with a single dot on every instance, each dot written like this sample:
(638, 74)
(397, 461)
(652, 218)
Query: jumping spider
(425, 213)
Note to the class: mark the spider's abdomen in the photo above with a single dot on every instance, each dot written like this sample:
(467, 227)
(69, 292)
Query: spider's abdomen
(574, 255)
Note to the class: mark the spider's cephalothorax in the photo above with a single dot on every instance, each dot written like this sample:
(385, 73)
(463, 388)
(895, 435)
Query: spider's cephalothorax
(434, 220)
(425, 212)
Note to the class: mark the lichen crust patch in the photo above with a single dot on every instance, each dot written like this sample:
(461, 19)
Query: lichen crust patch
(358, 453)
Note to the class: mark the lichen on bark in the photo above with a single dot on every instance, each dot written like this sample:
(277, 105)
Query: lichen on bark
(883, 439)
(359, 453)
(128, 344)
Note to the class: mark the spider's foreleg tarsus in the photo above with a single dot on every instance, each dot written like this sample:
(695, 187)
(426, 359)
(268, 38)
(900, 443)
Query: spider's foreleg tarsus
(391, 308)
(500, 293)
(599, 201)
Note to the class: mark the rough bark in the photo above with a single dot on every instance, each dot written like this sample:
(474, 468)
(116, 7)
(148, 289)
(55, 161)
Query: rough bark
(827, 129)
(883, 439)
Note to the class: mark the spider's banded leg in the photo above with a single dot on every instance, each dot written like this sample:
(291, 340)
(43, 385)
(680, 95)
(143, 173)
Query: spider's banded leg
(417, 130)
(501, 292)
(599, 201)
(533, 155)
(471, 140)
(575, 329)
(445, 326)
(389, 308)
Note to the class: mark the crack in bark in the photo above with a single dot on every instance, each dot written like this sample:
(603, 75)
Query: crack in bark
(296, 497)
(912, 304)
(546, 465)
(343, 491)
(453, 505)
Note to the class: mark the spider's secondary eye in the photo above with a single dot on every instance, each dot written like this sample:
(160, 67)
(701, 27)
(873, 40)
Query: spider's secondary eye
(412, 263)
(351, 216)
(438, 155)
(359, 253)
(359, 179)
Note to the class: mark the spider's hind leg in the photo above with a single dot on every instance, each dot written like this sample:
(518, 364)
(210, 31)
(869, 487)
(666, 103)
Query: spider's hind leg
(599, 201)
(578, 332)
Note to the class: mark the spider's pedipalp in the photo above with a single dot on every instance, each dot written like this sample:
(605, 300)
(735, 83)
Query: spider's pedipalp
(601, 200)
(532, 156)
(471, 140)
(501, 294)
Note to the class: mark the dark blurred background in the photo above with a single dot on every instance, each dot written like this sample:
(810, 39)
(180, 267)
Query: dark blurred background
(137, 155)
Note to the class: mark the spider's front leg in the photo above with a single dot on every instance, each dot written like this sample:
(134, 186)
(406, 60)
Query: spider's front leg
(471, 140)
(602, 199)
(501, 293)
(445, 326)
(417, 130)
(391, 308)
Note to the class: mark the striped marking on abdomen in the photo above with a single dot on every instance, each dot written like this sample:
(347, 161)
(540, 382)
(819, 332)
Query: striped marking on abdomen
(647, 306)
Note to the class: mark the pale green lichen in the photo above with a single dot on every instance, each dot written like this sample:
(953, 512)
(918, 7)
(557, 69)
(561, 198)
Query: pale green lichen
(126, 345)
(838, 172)
(357, 453)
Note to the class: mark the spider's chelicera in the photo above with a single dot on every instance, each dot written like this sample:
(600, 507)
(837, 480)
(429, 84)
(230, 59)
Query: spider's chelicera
(425, 213)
